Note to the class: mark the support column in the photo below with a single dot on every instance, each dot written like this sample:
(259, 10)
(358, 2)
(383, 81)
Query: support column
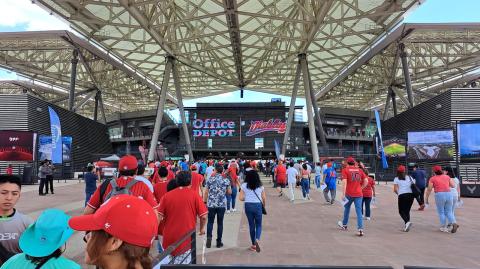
(102, 108)
(406, 75)
(160, 108)
(318, 119)
(95, 109)
(291, 110)
(311, 125)
(127, 147)
(73, 77)
(387, 104)
(186, 133)
(393, 96)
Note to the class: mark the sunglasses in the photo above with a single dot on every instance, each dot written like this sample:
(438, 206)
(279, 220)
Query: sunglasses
(87, 236)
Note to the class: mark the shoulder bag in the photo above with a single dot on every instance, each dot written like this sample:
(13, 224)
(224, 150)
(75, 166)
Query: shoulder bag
(415, 190)
(264, 211)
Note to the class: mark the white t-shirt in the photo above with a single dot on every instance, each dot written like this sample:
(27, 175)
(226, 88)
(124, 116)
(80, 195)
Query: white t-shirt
(250, 197)
(404, 186)
(146, 181)
(292, 174)
(454, 189)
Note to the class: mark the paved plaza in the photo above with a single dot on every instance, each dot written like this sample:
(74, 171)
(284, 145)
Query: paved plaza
(306, 233)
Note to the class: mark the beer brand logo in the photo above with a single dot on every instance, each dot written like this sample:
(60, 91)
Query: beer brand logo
(271, 125)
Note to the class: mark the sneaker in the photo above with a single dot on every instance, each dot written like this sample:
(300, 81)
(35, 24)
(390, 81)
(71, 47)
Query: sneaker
(454, 228)
(280, 194)
(421, 208)
(444, 230)
(408, 225)
(308, 196)
(209, 243)
(257, 246)
(368, 218)
(234, 210)
(219, 244)
(360, 232)
(228, 212)
(253, 248)
(343, 227)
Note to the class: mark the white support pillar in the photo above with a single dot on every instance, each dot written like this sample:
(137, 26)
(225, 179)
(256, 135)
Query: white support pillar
(73, 77)
(308, 98)
(387, 105)
(102, 108)
(406, 74)
(186, 133)
(316, 109)
(291, 110)
(160, 108)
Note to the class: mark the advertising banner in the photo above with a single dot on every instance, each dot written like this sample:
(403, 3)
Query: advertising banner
(272, 125)
(17, 146)
(213, 128)
(56, 132)
(379, 131)
(45, 148)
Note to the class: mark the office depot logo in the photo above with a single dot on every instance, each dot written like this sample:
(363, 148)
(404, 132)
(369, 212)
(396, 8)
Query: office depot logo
(212, 128)
(272, 125)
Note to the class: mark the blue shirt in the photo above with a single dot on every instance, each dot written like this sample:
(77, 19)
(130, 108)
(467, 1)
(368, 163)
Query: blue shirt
(184, 166)
(331, 178)
(90, 182)
(217, 189)
(420, 178)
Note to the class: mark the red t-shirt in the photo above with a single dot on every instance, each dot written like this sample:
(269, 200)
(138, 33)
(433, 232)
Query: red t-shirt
(139, 189)
(368, 190)
(170, 175)
(354, 177)
(197, 180)
(180, 209)
(441, 183)
(281, 174)
(159, 191)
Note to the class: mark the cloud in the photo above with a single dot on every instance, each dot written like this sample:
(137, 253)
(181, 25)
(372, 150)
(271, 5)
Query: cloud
(30, 16)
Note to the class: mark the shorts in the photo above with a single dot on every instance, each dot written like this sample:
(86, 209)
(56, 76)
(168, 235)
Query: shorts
(281, 185)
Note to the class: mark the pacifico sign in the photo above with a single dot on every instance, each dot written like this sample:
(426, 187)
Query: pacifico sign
(272, 125)
(212, 128)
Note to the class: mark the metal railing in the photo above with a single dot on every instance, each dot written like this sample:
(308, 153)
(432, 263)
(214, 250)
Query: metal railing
(188, 254)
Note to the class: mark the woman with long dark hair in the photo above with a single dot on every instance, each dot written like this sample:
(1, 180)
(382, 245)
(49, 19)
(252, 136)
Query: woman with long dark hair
(253, 193)
(455, 190)
(119, 233)
(402, 186)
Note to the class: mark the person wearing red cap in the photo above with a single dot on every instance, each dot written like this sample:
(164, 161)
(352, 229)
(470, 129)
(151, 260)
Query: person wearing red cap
(368, 193)
(402, 186)
(197, 180)
(128, 169)
(441, 184)
(281, 177)
(119, 233)
(179, 210)
(353, 180)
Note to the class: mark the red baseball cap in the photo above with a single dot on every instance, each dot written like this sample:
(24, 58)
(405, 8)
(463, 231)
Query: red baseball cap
(125, 217)
(164, 164)
(127, 162)
(401, 169)
(437, 168)
(193, 167)
(350, 159)
(329, 164)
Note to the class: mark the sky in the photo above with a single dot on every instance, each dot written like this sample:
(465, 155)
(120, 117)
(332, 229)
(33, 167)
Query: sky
(22, 15)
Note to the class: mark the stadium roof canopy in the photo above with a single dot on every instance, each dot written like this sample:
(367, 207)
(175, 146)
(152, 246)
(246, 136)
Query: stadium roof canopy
(224, 45)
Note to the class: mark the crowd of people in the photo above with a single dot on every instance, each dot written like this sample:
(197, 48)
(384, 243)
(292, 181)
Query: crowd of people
(170, 204)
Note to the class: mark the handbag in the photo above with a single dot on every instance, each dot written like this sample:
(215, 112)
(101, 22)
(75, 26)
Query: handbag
(415, 190)
(264, 211)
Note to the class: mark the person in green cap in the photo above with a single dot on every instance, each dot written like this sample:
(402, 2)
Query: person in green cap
(42, 244)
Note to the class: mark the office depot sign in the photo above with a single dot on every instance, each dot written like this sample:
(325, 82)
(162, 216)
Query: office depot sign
(272, 125)
(213, 128)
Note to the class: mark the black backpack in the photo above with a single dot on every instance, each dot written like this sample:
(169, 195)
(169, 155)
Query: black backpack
(116, 190)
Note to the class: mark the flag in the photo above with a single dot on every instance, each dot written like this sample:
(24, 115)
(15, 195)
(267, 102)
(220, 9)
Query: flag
(56, 133)
(380, 140)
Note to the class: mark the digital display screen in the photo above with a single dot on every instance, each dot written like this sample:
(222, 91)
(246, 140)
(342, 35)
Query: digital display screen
(469, 141)
(394, 147)
(17, 145)
(430, 145)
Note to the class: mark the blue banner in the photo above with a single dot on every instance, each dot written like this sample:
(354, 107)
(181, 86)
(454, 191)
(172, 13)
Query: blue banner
(277, 148)
(380, 140)
(56, 132)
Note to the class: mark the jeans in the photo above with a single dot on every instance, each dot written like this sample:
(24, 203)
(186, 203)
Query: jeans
(231, 198)
(444, 202)
(358, 211)
(87, 197)
(49, 180)
(254, 216)
(420, 199)
(291, 187)
(317, 181)
(455, 200)
(305, 187)
(42, 185)
(220, 213)
(405, 202)
(366, 203)
(331, 198)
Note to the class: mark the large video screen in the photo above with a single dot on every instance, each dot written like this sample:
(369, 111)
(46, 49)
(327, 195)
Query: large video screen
(430, 145)
(468, 134)
(394, 147)
(45, 148)
(17, 145)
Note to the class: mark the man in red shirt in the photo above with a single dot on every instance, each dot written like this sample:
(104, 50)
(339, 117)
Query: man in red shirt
(281, 177)
(353, 180)
(197, 181)
(127, 167)
(179, 210)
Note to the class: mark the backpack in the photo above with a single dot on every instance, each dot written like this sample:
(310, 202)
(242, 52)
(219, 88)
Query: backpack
(116, 190)
(201, 169)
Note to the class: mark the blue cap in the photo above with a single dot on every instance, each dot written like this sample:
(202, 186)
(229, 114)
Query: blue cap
(47, 234)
